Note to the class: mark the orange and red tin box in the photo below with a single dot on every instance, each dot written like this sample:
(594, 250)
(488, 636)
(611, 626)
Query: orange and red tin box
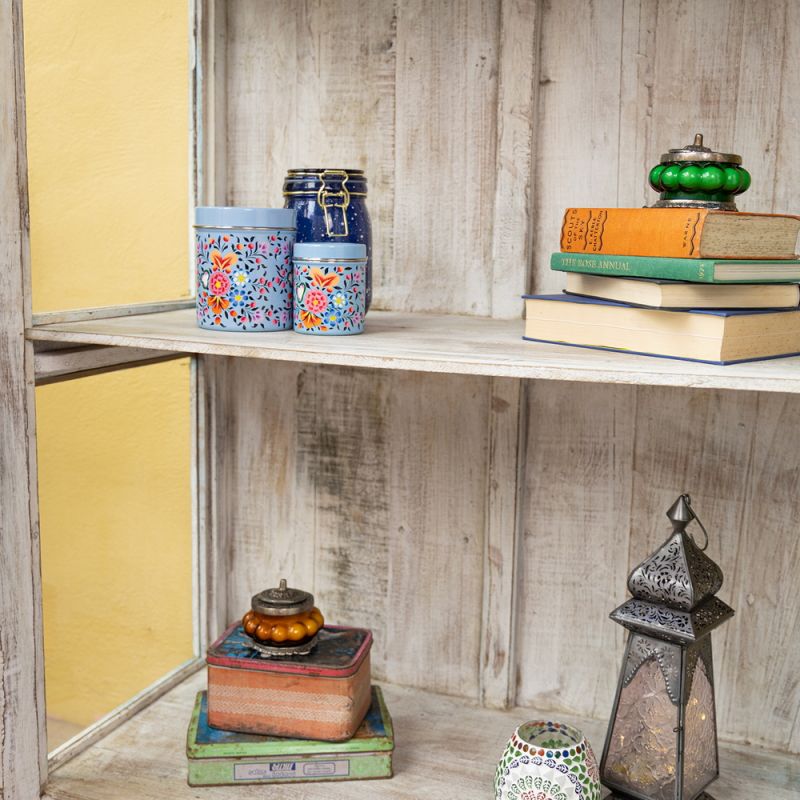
(324, 695)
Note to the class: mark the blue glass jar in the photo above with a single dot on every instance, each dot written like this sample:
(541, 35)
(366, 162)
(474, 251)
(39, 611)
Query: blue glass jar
(331, 206)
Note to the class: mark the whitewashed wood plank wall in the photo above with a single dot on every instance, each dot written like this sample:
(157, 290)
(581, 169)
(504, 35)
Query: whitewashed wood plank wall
(477, 123)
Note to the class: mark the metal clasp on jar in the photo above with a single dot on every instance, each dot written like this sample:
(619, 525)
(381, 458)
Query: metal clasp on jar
(328, 198)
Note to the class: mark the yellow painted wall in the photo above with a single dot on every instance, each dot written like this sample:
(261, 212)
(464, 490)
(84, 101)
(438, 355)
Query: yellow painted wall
(107, 85)
(116, 535)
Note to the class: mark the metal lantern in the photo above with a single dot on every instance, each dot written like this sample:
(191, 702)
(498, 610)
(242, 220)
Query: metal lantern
(662, 738)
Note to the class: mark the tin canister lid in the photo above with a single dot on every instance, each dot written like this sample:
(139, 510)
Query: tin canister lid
(235, 217)
(340, 653)
(282, 601)
(330, 251)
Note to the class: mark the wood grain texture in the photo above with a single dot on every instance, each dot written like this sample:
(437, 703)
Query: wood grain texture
(437, 525)
(600, 479)
(210, 537)
(578, 120)
(445, 748)
(700, 443)
(505, 477)
(761, 700)
(446, 96)
(477, 123)
(210, 103)
(264, 514)
(344, 451)
(626, 67)
(55, 365)
(573, 561)
(517, 104)
(787, 147)
(23, 745)
(312, 85)
(428, 343)
(313, 486)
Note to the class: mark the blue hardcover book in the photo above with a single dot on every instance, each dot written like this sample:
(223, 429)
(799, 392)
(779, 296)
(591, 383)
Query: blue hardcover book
(714, 336)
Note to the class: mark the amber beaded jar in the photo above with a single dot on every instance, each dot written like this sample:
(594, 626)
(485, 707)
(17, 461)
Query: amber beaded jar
(283, 618)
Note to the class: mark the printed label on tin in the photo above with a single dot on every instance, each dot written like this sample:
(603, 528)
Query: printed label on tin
(288, 770)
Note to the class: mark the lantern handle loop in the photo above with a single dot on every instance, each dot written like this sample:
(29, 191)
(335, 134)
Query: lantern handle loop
(699, 522)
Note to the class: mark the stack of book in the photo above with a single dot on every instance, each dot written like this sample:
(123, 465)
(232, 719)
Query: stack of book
(688, 283)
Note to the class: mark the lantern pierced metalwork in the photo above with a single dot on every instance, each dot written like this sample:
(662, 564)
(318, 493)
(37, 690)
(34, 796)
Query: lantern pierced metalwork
(662, 737)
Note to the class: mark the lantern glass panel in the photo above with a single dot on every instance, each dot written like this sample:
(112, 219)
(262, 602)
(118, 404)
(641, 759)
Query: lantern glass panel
(643, 747)
(700, 753)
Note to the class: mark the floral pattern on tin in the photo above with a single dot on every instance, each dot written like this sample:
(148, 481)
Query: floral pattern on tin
(244, 282)
(329, 299)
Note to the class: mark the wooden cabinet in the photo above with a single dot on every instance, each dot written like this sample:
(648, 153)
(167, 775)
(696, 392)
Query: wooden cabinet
(475, 500)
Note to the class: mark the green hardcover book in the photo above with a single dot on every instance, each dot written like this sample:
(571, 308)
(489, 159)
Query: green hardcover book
(696, 270)
(218, 757)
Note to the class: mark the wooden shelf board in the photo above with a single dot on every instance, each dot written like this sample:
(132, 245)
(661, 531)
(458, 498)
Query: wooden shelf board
(425, 343)
(445, 748)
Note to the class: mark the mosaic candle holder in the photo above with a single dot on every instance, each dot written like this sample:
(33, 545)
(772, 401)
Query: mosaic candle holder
(244, 268)
(547, 761)
(329, 288)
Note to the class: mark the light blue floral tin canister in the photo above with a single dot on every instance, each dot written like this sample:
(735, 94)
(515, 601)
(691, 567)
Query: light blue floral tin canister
(244, 268)
(330, 288)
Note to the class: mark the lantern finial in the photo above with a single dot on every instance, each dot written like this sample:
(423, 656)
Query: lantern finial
(680, 512)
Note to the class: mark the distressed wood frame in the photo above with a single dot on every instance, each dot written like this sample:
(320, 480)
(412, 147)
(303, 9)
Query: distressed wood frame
(23, 757)
(516, 406)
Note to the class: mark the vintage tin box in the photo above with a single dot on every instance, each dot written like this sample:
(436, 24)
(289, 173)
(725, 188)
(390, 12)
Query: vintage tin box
(224, 757)
(323, 695)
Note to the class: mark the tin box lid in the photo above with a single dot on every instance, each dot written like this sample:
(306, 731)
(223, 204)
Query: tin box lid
(235, 217)
(331, 251)
(376, 733)
(338, 654)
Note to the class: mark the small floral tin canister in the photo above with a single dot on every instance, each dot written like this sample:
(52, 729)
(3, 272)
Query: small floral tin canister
(244, 268)
(331, 206)
(547, 761)
(329, 288)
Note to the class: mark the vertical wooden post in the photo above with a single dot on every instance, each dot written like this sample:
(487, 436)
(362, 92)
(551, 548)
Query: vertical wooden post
(505, 470)
(517, 101)
(23, 748)
(209, 187)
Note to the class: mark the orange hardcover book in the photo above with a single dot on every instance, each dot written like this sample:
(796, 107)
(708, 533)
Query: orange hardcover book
(679, 233)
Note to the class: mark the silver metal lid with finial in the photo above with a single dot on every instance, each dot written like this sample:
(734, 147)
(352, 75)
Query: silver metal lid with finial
(695, 176)
(698, 152)
(282, 601)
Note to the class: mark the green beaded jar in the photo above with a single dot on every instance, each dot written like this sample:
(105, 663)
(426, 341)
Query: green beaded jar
(698, 177)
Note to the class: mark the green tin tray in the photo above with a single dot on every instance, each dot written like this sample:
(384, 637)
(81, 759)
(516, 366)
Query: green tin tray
(219, 757)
